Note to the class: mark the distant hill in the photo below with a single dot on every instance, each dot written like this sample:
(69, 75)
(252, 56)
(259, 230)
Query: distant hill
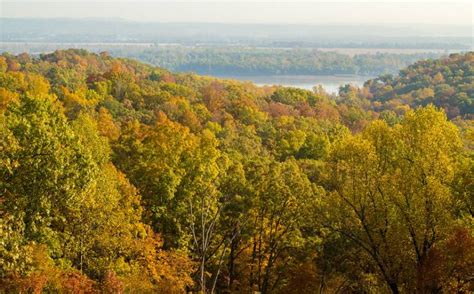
(446, 82)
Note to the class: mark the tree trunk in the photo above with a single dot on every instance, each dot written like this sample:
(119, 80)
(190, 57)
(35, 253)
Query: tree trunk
(231, 265)
(393, 287)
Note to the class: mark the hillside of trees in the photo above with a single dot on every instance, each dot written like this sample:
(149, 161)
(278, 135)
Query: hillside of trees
(445, 82)
(120, 177)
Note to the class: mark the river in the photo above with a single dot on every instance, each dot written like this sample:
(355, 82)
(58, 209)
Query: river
(330, 83)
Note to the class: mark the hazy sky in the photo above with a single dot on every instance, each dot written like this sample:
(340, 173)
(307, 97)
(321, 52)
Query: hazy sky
(308, 12)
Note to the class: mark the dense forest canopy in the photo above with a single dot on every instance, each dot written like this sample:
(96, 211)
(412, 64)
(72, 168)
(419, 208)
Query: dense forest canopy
(445, 82)
(116, 176)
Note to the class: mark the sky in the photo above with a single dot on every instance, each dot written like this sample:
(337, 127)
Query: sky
(243, 11)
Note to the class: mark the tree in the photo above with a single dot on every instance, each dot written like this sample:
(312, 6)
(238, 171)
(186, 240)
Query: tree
(280, 203)
(390, 188)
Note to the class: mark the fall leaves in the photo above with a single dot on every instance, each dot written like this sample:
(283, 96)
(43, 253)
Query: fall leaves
(116, 176)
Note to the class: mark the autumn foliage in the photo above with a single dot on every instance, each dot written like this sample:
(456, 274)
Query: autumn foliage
(119, 177)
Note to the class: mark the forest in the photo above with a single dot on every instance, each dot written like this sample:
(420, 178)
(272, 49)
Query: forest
(239, 60)
(121, 177)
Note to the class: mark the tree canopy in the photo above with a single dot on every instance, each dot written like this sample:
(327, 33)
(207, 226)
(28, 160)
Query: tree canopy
(116, 176)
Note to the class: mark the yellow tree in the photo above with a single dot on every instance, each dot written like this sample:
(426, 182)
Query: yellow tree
(390, 192)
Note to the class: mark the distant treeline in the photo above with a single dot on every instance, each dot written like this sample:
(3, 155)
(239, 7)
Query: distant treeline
(244, 61)
(271, 61)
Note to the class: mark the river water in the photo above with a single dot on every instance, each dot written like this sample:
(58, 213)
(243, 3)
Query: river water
(330, 83)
